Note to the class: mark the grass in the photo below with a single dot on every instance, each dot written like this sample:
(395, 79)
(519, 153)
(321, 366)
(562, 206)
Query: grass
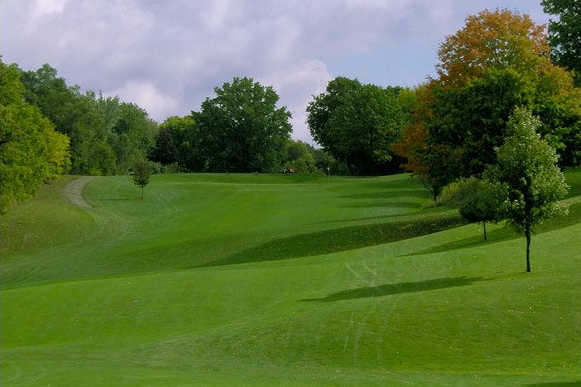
(264, 279)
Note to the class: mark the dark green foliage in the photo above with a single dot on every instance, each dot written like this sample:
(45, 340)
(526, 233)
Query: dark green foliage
(478, 200)
(527, 168)
(106, 135)
(140, 174)
(473, 118)
(241, 129)
(31, 152)
(178, 142)
(299, 156)
(565, 33)
(357, 124)
(469, 121)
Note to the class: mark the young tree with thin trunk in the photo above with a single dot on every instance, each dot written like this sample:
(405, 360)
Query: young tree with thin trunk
(140, 174)
(478, 200)
(527, 167)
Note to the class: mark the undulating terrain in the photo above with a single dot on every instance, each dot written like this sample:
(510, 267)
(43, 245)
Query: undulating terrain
(281, 280)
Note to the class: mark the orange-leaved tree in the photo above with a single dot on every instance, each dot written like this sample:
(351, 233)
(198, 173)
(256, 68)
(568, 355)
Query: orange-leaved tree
(500, 39)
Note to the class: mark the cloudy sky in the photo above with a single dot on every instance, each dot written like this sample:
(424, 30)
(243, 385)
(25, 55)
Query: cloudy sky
(168, 55)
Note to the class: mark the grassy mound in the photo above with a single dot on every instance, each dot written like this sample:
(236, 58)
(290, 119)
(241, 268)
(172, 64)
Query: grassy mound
(256, 280)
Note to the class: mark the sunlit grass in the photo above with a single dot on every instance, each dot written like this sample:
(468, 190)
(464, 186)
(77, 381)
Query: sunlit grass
(268, 279)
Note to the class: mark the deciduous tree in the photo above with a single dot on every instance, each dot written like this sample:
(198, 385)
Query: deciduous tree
(357, 124)
(140, 174)
(31, 152)
(242, 129)
(565, 33)
(500, 39)
(527, 168)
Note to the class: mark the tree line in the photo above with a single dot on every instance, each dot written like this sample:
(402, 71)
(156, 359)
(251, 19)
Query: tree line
(48, 128)
(443, 130)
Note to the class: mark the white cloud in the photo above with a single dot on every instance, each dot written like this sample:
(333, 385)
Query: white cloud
(168, 56)
(296, 84)
(48, 7)
(146, 95)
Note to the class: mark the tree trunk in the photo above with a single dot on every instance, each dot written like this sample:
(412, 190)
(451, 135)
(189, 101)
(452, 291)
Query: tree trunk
(484, 228)
(528, 235)
(141, 192)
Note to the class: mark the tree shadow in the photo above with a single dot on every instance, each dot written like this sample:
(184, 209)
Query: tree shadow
(507, 233)
(385, 204)
(418, 193)
(555, 384)
(495, 236)
(399, 288)
(367, 218)
(340, 239)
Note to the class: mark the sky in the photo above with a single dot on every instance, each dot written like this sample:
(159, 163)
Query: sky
(168, 55)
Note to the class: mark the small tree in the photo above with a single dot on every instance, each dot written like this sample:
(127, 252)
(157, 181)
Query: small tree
(140, 174)
(484, 205)
(527, 167)
(478, 200)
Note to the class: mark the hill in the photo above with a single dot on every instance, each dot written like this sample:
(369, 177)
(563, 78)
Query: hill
(263, 279)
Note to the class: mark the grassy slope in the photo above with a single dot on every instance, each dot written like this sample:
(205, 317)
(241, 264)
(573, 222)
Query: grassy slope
(319, 289)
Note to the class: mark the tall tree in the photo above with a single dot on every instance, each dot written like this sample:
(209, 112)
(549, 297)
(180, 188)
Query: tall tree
(31, 152)
(106, 135)
(472, 118)
(500, 39)
(527, 168)
(178, 141)
(499, 60)
(242, 129)
(565, 34)
(357, 124)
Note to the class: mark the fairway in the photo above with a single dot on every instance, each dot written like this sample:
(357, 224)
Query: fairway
(256, 279)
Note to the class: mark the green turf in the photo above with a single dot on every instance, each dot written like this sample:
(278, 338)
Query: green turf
(289, 280)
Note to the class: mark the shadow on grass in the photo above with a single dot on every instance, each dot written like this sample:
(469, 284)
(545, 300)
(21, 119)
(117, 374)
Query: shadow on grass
(417, 193)
(340, 239)
(367, 218)
(403, 287)
(555, 384)
(507, 233)
(384, 203)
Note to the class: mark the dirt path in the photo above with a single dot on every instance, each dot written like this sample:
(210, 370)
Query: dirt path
(74, 191)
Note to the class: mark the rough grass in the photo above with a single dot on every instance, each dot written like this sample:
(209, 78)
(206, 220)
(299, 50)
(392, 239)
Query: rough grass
(262, 280)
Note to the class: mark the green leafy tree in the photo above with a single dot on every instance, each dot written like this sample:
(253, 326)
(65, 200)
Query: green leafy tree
(242, 129)
(140, 174)
(106, 135)
(299, 156)
(357, 124)
(527, 168)
(178, 141)
(472, 118)
(565, 33)
(499, 60)
(31, 152)
(133, 135)
(478, 200)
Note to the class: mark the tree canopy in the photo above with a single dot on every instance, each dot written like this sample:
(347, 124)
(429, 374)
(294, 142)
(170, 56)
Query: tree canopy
(498, 61)
(31, 152)
(357, 124)
(500, 39)
(106, 135)
(527, 168)
(242, 129)
(565, 33)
